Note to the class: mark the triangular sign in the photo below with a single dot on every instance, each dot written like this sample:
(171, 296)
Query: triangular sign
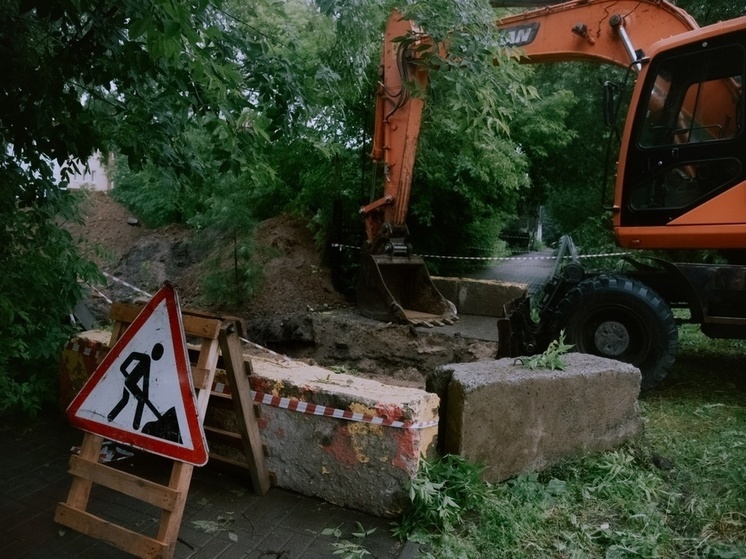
(142, 392)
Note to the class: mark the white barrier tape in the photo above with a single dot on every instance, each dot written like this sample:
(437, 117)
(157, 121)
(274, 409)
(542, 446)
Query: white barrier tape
(101, 294)
(265, 349)
(132, 287)
(500, 258)
(493, 258)
(314, 409)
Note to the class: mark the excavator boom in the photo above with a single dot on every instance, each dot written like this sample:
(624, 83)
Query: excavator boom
(394, 285)
(612, 31)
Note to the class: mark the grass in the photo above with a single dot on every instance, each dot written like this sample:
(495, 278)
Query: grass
(677, 491)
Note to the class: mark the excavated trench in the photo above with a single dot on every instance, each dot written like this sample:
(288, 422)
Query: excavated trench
(344, 341)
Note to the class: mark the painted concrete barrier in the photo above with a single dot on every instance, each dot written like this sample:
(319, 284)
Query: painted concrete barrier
(507, 417)
(479, 297)
(513, 420)
(358, 464)
(353, 464)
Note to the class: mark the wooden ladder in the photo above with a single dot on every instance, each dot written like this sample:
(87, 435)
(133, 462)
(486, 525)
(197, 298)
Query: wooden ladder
(215, 336)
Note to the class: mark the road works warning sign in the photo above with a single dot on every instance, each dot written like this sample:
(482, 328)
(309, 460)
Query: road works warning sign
(142, 393)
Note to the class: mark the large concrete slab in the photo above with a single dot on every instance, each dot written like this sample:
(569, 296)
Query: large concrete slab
(515, 420)
(352, 464)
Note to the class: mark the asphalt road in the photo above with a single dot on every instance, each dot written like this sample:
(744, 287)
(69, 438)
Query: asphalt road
(533, 269)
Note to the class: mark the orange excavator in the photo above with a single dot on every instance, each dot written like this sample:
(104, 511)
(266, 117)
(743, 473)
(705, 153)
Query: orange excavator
(680, 184)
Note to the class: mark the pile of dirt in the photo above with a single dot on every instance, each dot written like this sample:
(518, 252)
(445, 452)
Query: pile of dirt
(295, 309)
(293, 277)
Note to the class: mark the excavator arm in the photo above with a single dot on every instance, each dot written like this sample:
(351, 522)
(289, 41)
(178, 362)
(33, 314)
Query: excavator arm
(611, 31)
(393, 284)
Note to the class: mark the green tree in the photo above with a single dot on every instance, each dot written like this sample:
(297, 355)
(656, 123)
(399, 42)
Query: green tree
(570, 148)
(707, 12)
(82, 75)
(468, 170)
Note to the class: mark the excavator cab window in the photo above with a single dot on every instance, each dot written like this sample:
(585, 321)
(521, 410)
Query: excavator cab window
(680, 103)
(687, 144)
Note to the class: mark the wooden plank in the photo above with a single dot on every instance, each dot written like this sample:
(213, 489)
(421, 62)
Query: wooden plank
(181, 473)
(116, 332)
(194, 325)
(225, 401)
(230, 462)
(80, 488)
(84, 522)
(204, 327)
(208, 360)
(142, 489)
(198, 377)
(233, 360)
(228, 437)
(168, 531)
(221, 398)
(124, 312)
(237, 466)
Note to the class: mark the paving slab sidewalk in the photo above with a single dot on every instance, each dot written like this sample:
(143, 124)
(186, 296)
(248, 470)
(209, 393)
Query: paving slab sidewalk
(222, 519)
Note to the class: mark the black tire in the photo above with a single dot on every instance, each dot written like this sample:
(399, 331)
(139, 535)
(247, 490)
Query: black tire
(620, 318)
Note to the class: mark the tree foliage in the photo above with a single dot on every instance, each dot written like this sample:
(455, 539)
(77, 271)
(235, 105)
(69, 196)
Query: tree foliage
(469, 172)
(709, 11)
(224, 112)
(570, 149)
(82, 75)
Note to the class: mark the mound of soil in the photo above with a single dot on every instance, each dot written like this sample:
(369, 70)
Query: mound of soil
(295, 309)
(293, 276)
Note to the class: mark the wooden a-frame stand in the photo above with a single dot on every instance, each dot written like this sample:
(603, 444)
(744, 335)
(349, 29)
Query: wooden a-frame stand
(218, 335)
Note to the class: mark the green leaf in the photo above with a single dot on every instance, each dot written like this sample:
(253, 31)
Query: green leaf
(139, 27)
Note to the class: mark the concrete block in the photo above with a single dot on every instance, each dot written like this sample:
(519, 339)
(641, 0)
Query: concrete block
(479, 297)
(515, 420)
(79, 359)
(357, 465)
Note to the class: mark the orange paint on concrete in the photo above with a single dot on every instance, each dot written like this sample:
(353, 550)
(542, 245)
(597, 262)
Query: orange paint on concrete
(341, 447)
(407, 443)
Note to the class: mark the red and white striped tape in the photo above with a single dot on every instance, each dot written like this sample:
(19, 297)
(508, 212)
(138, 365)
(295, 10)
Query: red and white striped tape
(293, 404)
(124, 283)
(315, 409)
(101, 294)
(83, 349)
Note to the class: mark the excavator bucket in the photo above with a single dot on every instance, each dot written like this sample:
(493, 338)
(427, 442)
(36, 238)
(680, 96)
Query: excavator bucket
(399, 289)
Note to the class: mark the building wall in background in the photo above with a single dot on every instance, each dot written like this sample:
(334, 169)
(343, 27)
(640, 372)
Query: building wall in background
(94, 178)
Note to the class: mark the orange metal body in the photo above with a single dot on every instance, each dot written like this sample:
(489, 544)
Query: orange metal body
(581, 30)
(575, 30)
(397, 128)
(718, 223)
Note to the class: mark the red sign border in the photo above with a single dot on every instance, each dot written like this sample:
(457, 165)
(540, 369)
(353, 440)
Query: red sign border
(197, 456)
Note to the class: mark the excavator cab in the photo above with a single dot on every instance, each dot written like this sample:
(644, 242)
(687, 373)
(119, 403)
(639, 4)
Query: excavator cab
(682, 174)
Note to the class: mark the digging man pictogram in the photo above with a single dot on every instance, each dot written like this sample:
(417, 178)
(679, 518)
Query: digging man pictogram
(166, 426)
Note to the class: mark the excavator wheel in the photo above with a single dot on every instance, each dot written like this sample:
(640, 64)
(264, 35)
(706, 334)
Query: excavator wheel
(620, 318)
